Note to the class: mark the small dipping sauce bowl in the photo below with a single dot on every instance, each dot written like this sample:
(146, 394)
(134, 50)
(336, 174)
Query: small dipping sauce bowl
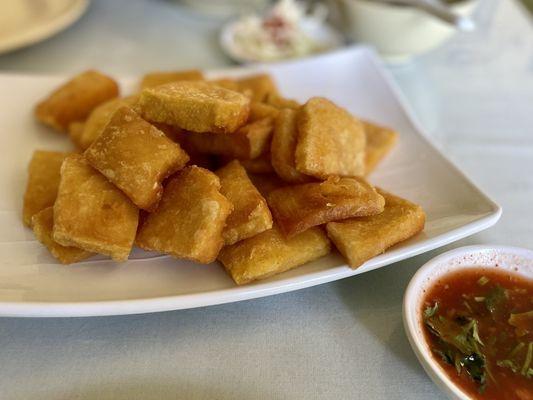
(512, 260)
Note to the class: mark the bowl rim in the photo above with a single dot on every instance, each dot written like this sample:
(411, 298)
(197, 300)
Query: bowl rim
(411, 306)
(396, 6)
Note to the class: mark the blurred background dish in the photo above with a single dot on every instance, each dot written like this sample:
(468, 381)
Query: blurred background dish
(397, 31)
(25, 22)
(289, 29)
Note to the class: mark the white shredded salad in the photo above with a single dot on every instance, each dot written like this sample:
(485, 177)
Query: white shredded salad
(278, 34)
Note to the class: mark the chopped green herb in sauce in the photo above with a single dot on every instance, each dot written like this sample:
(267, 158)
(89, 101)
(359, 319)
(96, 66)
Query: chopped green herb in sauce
(480, 325)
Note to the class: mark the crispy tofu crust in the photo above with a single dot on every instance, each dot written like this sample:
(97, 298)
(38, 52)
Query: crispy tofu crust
(262, 110)
(230, 84)
(280, 102)
(157, 78)
(259, 165)
(74, 100)
(248, 142)
(43, 181)
(283, 147)
(379, 142)
(250, 214)
(136, 157)
(75, 131)
(266, 183)
(330, 141)
(91, 213)
(360, 239)
(299, 207)
(270, 253)
(42, 225)
(261, 86)
(195, 106)
(190, 218)
(98, 119)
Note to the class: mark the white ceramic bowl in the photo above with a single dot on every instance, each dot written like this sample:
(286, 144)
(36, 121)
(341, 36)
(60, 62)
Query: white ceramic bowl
(513, 259)
(397, 32)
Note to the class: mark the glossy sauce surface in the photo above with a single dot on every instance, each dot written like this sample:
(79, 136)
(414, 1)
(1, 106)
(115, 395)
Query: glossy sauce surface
(479, 325)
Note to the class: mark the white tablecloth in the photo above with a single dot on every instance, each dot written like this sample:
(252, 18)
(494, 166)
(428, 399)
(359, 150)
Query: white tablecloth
(340, 340)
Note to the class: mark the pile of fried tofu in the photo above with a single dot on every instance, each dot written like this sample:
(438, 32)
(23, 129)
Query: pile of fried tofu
(205, 170)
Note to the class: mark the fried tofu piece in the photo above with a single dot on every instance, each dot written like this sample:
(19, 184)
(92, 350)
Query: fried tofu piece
(195, 106)
(248, 142)
(270, 253)
(261, 86)
(266, 183)
(259, 165)
(75, 131)
(136, 157)
(157, 78)
(250, 214)
(360, 239)
(74, 100)
(42, 225)
(227, 83)
(232, 84)
(379, 142)
(330, 141)
(262, 110)
(91, 213)
(43, 181)
(283, 147)
(98, 119)
(190, 218)
(299, 207)
(280, 102)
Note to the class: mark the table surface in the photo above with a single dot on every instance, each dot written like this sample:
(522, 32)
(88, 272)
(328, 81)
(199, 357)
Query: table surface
(339, 340)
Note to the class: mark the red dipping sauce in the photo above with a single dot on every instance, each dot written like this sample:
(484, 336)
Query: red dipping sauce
(479, 325)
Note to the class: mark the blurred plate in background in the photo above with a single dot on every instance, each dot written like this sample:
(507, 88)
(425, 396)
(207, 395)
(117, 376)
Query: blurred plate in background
(25, 22)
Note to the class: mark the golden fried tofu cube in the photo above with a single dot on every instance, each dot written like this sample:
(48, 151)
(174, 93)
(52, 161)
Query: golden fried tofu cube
(283, 147)
(91, 213)
(259, 165)
(266, 183)
(227, 83)
(360, 239)
(42, 225)
(74, 100)
(248, 142)
(43, 181)
(280, 102)
(99, 117)
(262, 110)
(261, 86)
(299, 207)
(75, 131)
(195, 106)
(379, 141)
(190, 218)
(136, 157)
(250, 214)
(270, 253)
(157, 78)
(330, 141)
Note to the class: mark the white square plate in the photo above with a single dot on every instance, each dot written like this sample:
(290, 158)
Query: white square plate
(33, 284)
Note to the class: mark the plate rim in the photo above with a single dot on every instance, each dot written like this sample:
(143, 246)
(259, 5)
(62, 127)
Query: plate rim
(46, 30)
(263, 289)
